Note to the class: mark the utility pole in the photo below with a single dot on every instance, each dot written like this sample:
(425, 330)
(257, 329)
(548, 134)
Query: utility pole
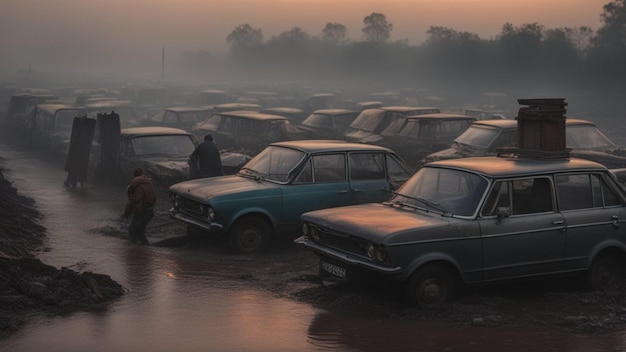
(163, 63)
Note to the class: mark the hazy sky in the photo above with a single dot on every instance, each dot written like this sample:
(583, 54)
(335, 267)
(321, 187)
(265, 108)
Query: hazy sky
(106, 33)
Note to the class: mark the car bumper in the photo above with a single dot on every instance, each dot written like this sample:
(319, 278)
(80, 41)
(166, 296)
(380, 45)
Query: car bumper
(208, 226)
(344, 258)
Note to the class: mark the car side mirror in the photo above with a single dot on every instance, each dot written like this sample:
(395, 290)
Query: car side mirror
(502, 212)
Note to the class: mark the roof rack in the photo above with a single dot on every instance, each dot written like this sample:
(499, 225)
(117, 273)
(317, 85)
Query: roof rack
(540, 130)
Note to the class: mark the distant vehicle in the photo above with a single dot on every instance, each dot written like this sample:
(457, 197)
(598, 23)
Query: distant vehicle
(212, 97)
(21, 105)
(50, 126)
(237, 107)
(183, 117)
(329, 123)
(124, 108)
(295, 115)
(244, 131)
(488, 137)
(477, 220)
(266, 198)
(162, 152)
(375, 125)
(427, 133)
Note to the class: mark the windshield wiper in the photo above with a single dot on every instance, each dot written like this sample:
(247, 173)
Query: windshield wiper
(428, 202)
(258, 176)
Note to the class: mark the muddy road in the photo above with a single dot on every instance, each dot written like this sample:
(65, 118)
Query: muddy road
(197, 295)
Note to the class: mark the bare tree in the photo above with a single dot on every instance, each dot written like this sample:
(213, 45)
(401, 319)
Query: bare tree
(376, 28)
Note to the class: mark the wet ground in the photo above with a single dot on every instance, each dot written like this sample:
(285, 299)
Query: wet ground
(190, 296)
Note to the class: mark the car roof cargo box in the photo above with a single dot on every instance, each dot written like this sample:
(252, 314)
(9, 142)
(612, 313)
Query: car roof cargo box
(541, 129)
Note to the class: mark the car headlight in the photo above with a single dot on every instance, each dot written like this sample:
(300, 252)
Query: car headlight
(378, 253)
(210, 213)
(305, 229)
(175, 199)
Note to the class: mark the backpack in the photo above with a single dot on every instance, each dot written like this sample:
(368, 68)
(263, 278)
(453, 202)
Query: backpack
(148, 191)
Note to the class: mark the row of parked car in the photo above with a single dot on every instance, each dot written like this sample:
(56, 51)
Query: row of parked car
(459, 220)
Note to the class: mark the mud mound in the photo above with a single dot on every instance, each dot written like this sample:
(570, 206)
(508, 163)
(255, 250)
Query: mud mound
(28, 286)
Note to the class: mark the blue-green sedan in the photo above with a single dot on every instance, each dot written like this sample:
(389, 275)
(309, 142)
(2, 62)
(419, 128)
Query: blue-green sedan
(268, 195)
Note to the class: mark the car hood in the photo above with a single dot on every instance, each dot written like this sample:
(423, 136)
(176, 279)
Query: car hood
(205, 188)
(361, 136)
(385, 224)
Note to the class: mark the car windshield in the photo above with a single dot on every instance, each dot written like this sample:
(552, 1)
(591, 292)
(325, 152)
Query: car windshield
(480, 137)
(369, 120)
(211, 124)
(318, 120)
(447, 191)
(587, 137)
(167, 145)
(273, 163)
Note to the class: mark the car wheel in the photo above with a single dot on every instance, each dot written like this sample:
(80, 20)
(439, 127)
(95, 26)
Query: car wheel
(250, 235)
(604, 272)
(429, 287)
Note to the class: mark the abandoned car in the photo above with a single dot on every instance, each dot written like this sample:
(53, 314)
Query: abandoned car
(266, 197)
(183, 117)
(476, 220)
(487, 137)
(245, 131)
(376, 126)
(427, 133)
(329, 123)
(49, 126)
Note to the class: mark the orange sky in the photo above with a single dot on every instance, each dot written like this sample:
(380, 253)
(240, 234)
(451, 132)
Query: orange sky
(135, 27)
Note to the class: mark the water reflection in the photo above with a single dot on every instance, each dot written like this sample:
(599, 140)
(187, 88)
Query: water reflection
(371, 334)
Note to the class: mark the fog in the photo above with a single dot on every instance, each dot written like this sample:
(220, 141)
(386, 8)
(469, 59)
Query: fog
(125, 38)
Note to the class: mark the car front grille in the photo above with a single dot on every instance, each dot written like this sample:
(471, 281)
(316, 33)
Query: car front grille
(191, 207)
(342, 241)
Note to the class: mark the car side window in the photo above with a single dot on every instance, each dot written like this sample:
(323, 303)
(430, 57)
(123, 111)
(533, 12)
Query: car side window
(329, 168)
(367, 166)
(396, 173)
(499, 197)
(524, 196)
(583, 191)
(531, 196)
(306, 174)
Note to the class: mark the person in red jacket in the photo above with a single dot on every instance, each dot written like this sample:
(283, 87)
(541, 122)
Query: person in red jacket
(140, 205)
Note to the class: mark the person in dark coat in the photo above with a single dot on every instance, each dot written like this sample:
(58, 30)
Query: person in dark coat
(140, 205)
(205, 160)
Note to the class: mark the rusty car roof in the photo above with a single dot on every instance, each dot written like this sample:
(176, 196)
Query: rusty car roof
(506, 123)
(493, 166)
(442, 116)
(329, 145)
(153, 130)
(253, 115)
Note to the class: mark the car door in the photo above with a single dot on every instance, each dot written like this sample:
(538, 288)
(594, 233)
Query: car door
(368, 179)
(528, 237)
(322, 183)
(592, 213)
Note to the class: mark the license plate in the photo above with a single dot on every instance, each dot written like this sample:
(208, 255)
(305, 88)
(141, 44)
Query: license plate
(334, 269)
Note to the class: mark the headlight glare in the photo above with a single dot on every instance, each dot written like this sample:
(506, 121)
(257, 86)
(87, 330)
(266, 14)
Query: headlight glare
(211, 213)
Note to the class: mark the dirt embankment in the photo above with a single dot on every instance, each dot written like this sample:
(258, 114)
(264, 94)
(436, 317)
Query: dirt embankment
(28, 286)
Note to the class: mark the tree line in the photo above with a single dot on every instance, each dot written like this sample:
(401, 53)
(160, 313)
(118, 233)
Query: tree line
(527, 54)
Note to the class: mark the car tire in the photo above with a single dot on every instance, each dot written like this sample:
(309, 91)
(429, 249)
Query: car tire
(250, 235)
(604, 273)
(429, 287)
